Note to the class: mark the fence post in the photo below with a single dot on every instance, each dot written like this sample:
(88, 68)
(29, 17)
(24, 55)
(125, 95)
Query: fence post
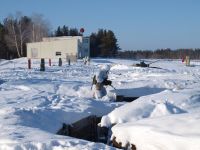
(42, 65)
(60, 62)
(69, 62)
(29, 63)
(49, 62)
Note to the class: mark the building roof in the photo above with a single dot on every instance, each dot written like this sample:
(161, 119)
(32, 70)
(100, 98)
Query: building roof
(45, 39)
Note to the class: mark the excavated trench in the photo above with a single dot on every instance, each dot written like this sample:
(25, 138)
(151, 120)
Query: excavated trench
(87, 129)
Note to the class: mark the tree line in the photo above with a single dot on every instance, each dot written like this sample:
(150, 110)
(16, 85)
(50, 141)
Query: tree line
(160, 54)
(17, 30)
(66, 31)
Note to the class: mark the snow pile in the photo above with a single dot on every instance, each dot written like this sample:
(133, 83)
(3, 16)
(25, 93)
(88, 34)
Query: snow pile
(176, 132)
(154, 105)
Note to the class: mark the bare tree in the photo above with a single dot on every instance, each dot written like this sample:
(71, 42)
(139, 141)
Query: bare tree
(22, 29)
(17, 32)
(11, 35)
(40, 27)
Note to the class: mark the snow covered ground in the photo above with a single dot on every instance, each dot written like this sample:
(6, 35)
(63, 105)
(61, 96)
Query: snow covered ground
(34, 104)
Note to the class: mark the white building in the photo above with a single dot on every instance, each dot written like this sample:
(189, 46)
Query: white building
(65, 47)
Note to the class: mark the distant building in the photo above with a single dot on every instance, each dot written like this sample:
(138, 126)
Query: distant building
(65, 47)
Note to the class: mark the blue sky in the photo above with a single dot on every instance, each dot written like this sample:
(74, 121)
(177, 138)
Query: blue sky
(137, 24)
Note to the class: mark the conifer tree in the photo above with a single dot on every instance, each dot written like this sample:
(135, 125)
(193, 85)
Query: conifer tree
(3, 47)
(103, 44)
(94, 50)
(58, 32)
(73, 32)
(65, 31)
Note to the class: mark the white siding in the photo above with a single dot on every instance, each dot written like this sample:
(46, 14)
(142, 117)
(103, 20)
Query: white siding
(67, 46)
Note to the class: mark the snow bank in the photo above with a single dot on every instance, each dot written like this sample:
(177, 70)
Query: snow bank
(164, 103)
(177, 132)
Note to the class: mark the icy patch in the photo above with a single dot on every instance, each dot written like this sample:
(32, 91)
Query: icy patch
(23, 88)
(119, 67)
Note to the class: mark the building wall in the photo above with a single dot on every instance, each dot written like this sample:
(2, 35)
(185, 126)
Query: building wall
(66, 47)
(84, 47)
(52, 49)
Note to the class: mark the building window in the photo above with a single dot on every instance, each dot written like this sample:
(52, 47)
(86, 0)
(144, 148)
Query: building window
(58, 53)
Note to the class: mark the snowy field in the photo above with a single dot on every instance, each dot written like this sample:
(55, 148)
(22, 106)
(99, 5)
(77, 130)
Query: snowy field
(34, 104)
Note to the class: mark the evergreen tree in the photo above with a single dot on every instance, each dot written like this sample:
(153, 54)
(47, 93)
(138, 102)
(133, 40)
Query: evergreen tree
(65, 31)
(73, 32)
(58, 32)
(3, 49)
(94, 50)
(109, 44)
(103, 44)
